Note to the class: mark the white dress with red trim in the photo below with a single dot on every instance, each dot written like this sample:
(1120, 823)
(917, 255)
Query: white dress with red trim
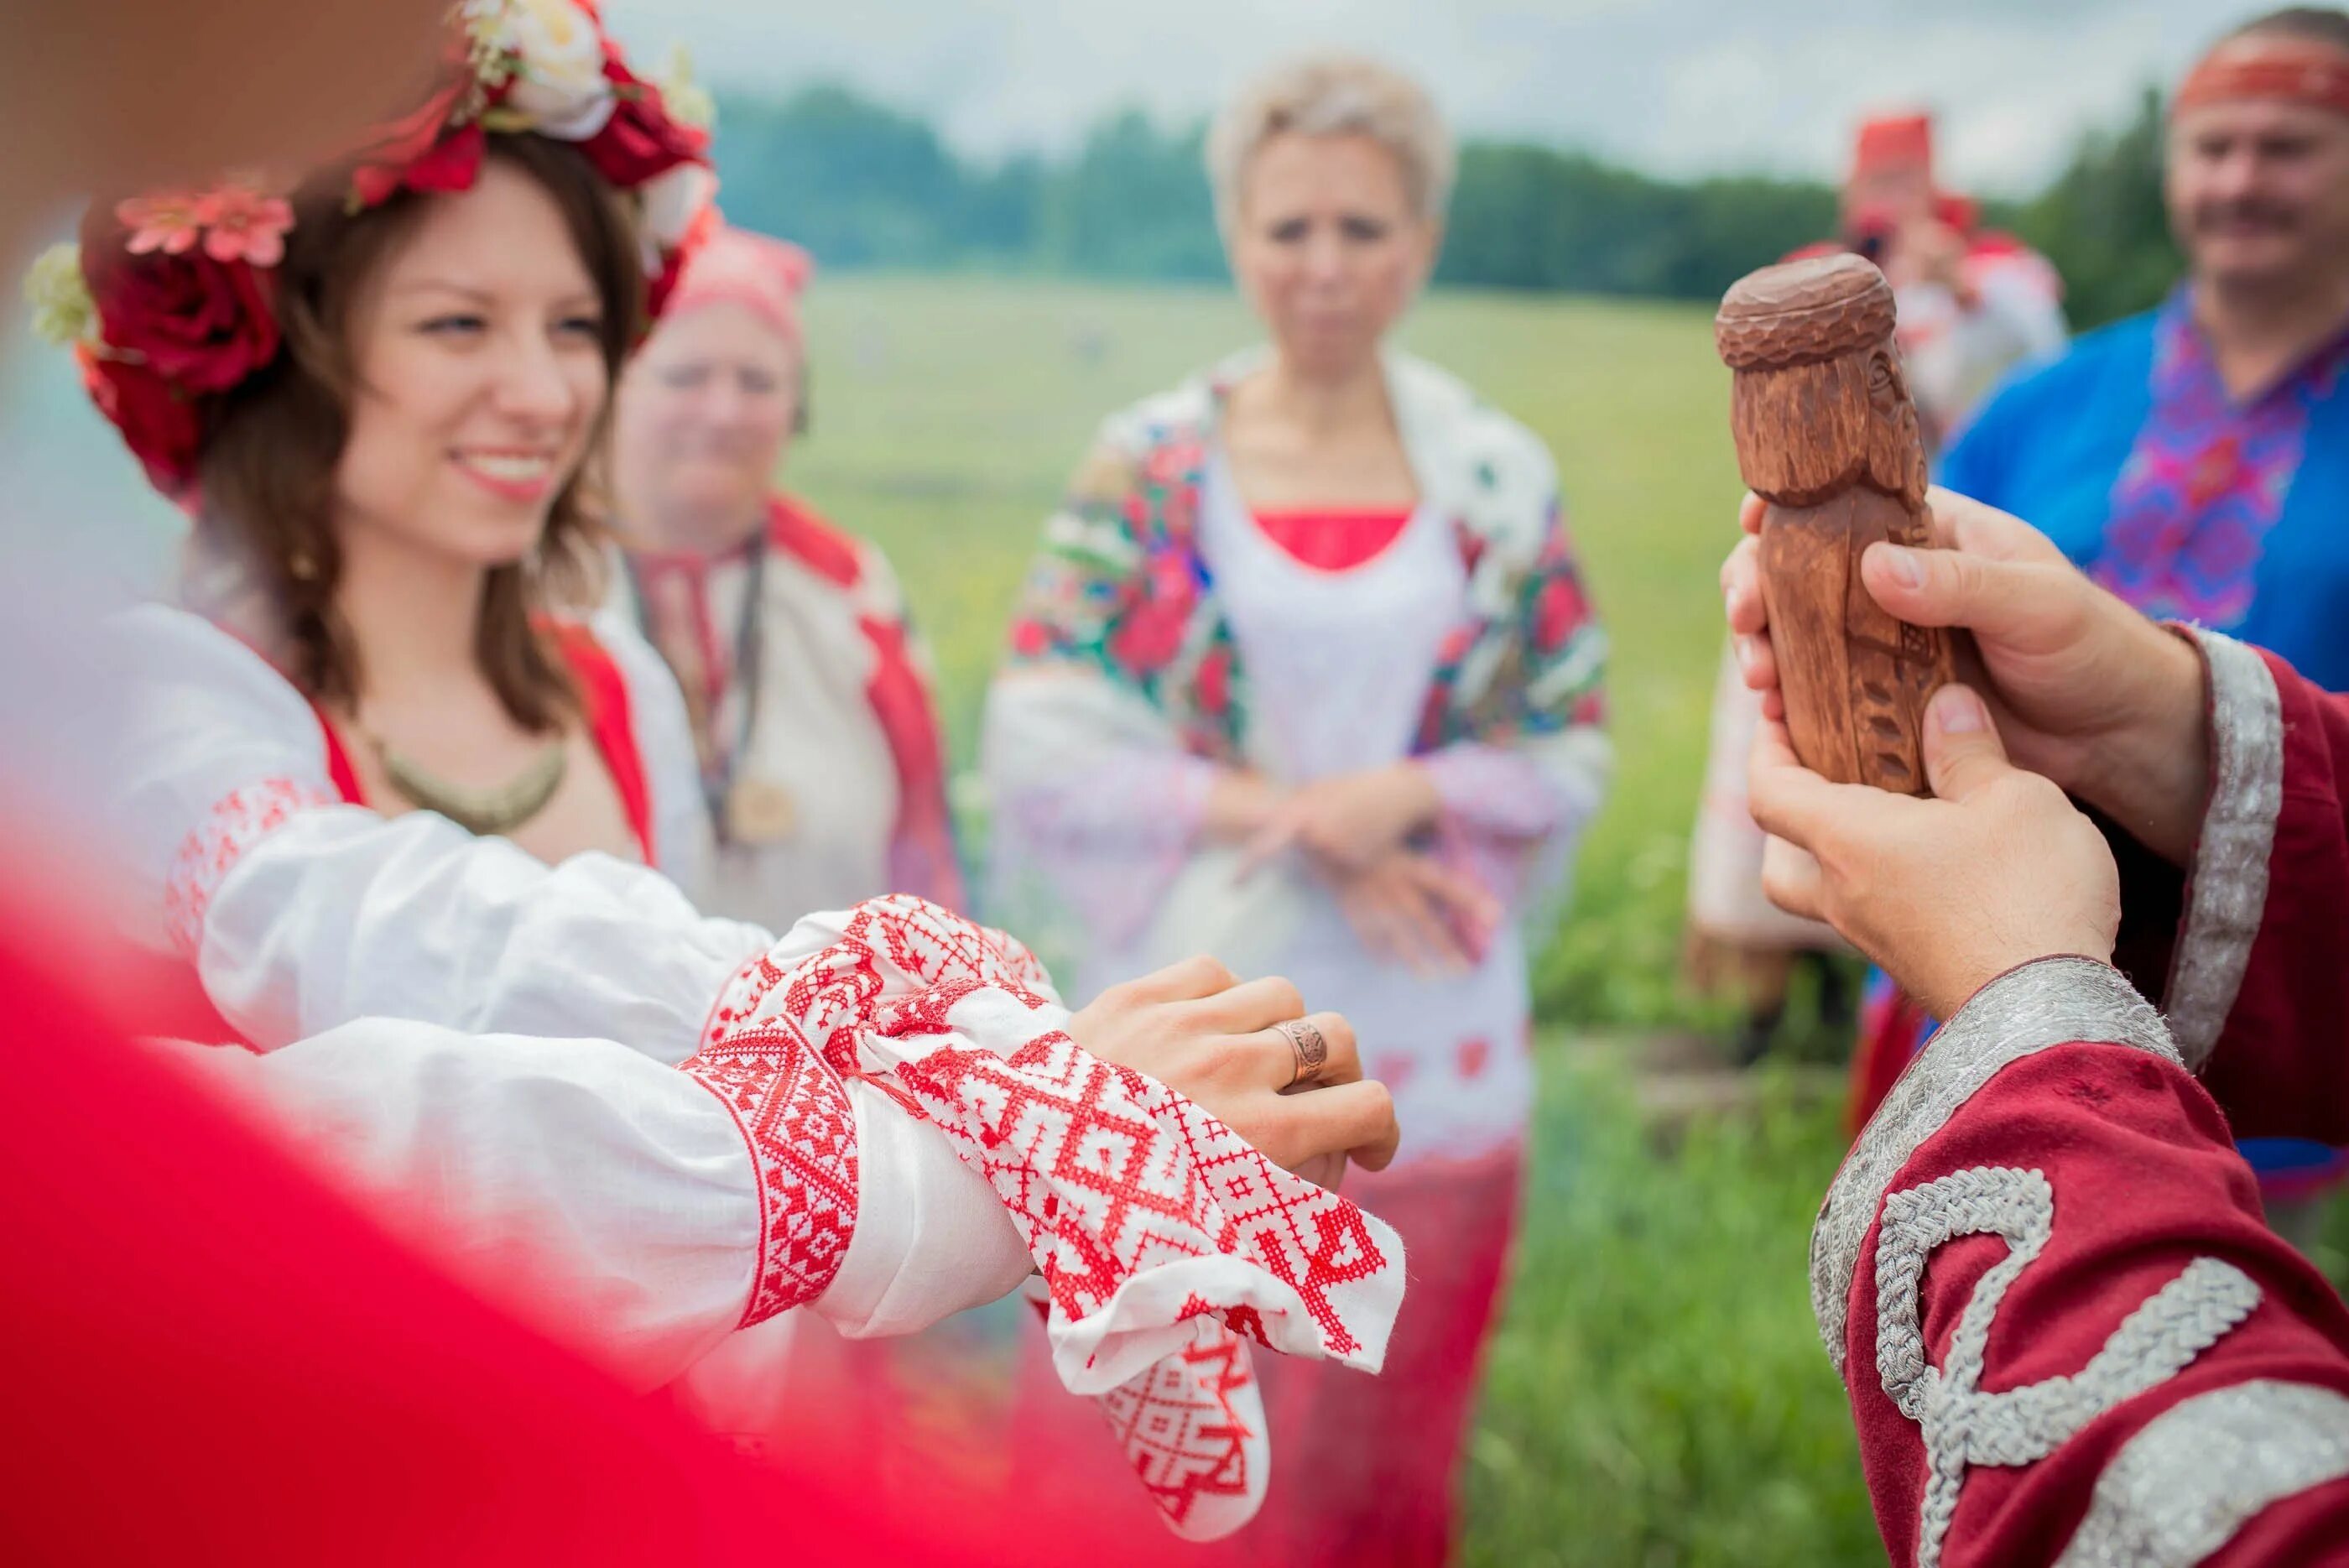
(905, 1127)
(301, 910)
(822, 762)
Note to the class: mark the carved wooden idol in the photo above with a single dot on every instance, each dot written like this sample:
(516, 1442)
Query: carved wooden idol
(1828, 436)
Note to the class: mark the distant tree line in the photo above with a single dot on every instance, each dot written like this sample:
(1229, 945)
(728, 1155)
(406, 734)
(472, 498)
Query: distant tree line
(863, 185)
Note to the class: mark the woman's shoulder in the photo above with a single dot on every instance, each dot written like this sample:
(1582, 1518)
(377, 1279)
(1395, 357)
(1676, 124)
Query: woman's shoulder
(1476, 432)
(608, 656)
(799, 531)
(155, 646)
(1183, 413)
(849, 561)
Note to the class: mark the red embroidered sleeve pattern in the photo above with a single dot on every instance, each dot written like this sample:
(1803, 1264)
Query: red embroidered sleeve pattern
(1192, 1427)
(241, 818)
(801, 1133)
(1155, 1228)
(1111, 1175)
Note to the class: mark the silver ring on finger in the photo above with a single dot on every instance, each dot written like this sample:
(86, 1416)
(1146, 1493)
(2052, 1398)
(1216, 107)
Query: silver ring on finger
(1307, 1044)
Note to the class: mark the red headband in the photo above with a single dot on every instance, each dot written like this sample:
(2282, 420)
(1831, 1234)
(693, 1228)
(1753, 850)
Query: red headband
(2290, 71)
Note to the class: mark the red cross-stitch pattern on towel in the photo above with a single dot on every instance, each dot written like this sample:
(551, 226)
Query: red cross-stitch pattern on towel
(803, 1135)
(242, 818)
(1108, 1173)
(1185, 1425)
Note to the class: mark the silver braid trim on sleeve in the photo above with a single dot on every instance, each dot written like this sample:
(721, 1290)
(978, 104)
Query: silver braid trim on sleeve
(2055, 1001)
(2185, 1484)
(1962, 1425)
(2228, 892)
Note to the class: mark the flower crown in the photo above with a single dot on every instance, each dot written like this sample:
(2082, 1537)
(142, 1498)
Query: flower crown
(169, 301)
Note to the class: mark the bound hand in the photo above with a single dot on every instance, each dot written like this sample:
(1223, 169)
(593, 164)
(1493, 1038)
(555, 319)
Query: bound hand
(1240, 1052)
(1945, 893)
(2083, 688)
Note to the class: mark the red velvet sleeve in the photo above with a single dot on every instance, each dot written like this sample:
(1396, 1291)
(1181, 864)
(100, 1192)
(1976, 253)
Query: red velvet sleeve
(2252, 962)
(2067, 1336)
(2280, 1065)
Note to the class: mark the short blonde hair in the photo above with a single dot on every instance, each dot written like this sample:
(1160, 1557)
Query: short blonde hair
(1334, 95)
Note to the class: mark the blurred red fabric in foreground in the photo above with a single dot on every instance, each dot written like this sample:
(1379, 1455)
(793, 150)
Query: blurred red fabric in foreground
(211, 1357)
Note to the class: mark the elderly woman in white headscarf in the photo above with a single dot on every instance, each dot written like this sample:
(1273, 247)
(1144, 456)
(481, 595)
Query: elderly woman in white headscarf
(1304, 676)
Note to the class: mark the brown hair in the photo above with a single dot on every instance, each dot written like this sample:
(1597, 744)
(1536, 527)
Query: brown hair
(268, 470)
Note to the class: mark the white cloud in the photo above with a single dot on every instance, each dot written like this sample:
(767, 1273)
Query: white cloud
(1685, 86)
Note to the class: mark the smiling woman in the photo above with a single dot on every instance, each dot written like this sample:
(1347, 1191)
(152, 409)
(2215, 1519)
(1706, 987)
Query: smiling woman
(377, 393)
(392, 510)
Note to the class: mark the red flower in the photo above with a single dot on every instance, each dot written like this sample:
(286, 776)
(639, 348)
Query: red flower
(640, 141)
(162, 426)
(393, 150)
(1029, 637)
(201, 325)
(1147, 639)
(1558, 612)
(662, 284)
(451, 165)
(1215, 683)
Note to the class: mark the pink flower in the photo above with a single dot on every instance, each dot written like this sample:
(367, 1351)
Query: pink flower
(169, 222)
(243, 224)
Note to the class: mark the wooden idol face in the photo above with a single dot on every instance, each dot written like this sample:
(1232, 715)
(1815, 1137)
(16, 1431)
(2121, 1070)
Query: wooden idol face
(1896, 446)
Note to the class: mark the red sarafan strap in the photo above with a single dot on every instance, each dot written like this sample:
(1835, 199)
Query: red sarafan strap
(603, 693)
(339, 771)
(800, 532)
(1334, 540)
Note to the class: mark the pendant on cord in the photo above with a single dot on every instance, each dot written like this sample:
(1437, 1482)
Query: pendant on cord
(759, 811)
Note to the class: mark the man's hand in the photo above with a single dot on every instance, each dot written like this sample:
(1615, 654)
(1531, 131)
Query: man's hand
(1945, 893)
(2083, 688)
(1217, 1042)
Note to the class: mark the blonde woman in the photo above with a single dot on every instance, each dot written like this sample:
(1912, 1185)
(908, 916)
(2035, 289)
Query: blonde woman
(1304, 675)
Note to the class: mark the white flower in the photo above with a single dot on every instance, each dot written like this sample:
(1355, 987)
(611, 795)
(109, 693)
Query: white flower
(558, 58)
(673, 201)
(63, 312)
(687, 101)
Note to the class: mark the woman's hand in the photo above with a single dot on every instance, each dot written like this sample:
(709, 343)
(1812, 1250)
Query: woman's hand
(1240, 806)
(2083, 688)
(1413, 909)
(1220, 1044)
(1350, 821)
(1945, 893)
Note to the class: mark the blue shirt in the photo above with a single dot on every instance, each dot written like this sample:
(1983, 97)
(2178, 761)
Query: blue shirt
(2128, 452)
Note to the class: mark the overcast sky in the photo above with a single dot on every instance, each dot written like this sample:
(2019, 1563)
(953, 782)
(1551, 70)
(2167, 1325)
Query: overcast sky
(1673, 85)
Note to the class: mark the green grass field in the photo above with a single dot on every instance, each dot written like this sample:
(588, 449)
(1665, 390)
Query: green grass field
(1656, 1395)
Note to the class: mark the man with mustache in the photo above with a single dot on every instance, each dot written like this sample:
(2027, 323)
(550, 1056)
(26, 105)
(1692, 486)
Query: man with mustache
(2194, 460)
